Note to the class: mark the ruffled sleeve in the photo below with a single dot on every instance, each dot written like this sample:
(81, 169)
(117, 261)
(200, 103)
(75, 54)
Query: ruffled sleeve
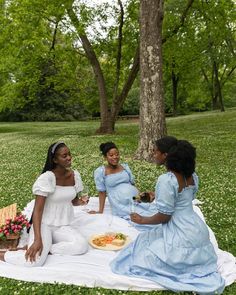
(166, 191)
(45, 184)
(131, 176)
(78, 182)
(99, 178)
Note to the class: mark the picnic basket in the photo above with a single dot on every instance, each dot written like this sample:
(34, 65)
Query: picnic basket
(10, 241)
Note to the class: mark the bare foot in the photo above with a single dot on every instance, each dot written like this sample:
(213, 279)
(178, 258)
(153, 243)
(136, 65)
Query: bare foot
(18, 248)
(2, 253)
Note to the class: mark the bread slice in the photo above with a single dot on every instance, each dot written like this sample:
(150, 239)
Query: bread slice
(118, 242)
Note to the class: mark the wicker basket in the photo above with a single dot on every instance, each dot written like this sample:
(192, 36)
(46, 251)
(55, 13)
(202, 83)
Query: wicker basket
(10, 242)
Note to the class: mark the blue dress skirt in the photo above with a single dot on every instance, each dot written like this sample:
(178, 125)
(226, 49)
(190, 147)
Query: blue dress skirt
(120, 190)
(177, 255)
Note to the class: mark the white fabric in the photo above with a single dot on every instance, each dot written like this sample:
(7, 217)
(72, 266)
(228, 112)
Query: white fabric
(92, 269)
(56, 240)
(46, 183)
(58, 209)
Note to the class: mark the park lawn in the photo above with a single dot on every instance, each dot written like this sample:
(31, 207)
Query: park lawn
(23, 152)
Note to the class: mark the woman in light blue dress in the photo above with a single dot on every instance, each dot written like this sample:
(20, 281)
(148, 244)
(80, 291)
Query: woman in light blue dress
(116, 182)
(177, 253)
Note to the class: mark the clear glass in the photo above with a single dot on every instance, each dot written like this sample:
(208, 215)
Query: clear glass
(132, 208)
(84, 195)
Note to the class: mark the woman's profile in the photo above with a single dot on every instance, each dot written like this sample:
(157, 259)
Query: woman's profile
(55, 193)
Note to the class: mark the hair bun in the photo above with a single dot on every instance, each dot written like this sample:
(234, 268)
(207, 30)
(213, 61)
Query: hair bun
(105, 147)
(101, 147)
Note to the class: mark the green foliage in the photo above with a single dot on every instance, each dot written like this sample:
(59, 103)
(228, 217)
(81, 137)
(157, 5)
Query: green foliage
(23, 152)
(131, 105)
(45, 80)
(40, 69)
(207, 36)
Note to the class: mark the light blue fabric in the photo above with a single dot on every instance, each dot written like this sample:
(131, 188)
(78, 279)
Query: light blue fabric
(120, 191)
(177, 255)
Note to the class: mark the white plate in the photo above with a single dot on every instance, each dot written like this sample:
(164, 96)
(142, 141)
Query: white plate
(108, 247)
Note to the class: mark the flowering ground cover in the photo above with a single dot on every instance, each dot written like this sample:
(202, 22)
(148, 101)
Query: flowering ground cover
(23, 152)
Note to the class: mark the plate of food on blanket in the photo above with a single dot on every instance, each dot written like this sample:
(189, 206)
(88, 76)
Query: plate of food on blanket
(109, 241)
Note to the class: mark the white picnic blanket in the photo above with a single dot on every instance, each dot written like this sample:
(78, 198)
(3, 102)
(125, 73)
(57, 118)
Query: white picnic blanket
(92, 269)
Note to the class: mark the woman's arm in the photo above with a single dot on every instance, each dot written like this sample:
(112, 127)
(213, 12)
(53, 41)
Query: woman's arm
(78, 202)
(37, 245)
(102, 198)
(155, 219)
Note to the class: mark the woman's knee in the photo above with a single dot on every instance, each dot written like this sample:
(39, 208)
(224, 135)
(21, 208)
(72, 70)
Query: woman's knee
(82, 246)
(79, 246)
(38, 262)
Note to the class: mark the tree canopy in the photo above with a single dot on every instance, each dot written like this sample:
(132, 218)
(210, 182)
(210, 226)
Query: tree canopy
(65, 60)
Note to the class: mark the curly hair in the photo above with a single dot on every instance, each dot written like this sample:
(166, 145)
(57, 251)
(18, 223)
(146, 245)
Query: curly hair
(105, 147)
(181, 158)
(165, 143)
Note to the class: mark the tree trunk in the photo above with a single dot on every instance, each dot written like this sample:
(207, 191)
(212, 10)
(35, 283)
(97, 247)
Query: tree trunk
(106, 125)
(119, 100)
(109, 115)
(215, 105)
(152, 114)
(218, 88)
(211, 87)
(175, 80)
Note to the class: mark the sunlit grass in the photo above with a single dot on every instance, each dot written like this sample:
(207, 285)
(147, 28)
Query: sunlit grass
(23, 152)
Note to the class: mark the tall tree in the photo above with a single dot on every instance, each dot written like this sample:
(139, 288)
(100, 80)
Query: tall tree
(152, 114)
(109, 107)
(217, 33)
(152, 108)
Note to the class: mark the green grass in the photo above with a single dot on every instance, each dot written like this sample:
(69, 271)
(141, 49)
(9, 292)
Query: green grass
(23, 152)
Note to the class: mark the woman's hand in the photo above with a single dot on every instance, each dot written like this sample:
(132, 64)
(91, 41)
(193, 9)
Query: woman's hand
(34, 249)
(136, 218)
(95, 212)
(79, 201)
(152, 196)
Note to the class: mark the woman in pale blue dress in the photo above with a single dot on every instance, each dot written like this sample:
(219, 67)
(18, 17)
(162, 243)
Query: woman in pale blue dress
(177, 254)
(116, 182)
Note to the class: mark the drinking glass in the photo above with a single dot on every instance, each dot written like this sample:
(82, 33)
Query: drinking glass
(84, 195)
(132, 206)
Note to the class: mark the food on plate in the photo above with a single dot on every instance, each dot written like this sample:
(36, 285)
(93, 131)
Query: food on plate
(118, 242)
(99, 242)
(120, 236)
(116, 239)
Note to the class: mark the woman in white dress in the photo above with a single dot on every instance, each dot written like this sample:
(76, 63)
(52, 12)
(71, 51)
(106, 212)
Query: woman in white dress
(56, 191)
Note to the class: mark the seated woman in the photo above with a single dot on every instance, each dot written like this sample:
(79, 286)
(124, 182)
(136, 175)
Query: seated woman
(177, 252)
(116, 181)
(56, 191)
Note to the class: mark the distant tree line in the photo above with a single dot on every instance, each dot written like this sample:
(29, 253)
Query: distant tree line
(67, 60)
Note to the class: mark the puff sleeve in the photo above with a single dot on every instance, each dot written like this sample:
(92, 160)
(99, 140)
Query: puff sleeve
(99, 178)
(131, 176)
(45, 184)
(166, 191)
(78, 182)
